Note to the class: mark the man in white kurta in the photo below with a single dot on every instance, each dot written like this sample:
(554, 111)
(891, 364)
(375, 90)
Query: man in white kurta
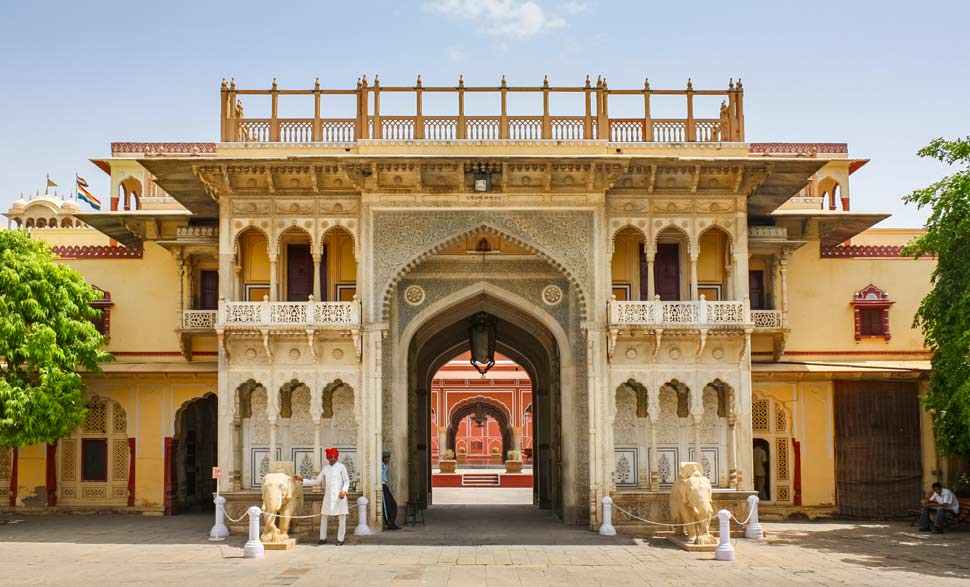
(336, 483)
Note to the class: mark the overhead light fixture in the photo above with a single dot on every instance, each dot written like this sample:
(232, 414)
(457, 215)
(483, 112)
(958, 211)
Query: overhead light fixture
(481, 339)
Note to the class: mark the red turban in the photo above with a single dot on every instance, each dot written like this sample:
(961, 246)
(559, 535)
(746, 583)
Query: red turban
(331, 453)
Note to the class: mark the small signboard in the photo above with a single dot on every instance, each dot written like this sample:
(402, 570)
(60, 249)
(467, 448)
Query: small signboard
(216, 472)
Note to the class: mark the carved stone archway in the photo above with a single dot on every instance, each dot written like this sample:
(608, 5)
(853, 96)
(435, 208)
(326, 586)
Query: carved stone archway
(480, 407)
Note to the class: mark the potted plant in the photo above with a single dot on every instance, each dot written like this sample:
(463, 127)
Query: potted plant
(446, 464)
(513, 462)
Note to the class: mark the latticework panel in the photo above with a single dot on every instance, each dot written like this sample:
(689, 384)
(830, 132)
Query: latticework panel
(119, 460)
(97, 419)
(119, 420)
(781, 459)
(68, 459)
(782, 493)
(6, 463)
(759, 415)
(781, 419)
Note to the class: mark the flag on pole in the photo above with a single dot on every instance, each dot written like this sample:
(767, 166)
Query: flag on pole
(84, 195)
(50, 182)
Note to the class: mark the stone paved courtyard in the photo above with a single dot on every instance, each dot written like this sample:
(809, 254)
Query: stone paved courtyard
(468, 545)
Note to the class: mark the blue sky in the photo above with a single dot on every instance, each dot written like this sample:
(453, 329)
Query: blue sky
(883, 76)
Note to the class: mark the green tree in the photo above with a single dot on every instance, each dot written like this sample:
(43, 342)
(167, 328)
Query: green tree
(944, 314)
(46, 337)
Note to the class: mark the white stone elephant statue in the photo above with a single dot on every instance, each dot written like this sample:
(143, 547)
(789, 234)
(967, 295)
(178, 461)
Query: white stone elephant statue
(282, 495)
(690, 503)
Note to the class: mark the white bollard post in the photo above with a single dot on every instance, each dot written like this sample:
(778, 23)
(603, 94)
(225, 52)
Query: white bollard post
(254, 547)
(219, 530)
(754, 531)
(607, 529)
(725, 550)
(362, 528)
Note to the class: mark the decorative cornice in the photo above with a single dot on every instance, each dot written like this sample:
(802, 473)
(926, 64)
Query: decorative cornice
(163, 148)
(864, 251)
(797, 148)
(97, 252)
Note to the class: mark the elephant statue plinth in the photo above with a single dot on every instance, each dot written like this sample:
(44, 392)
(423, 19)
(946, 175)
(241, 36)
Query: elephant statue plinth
(690, 505)
(283, 497)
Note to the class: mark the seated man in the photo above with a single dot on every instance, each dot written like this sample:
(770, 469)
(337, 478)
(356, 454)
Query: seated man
(943, 504)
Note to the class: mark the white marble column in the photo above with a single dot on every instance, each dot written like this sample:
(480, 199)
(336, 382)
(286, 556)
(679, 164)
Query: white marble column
(273, 280)
(693, 275)
(651, 253)
(237, 450)
(316, 413)
(316, 276)
(732, 451)
(653, 412)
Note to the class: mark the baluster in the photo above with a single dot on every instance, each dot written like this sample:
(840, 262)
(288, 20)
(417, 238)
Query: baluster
(460, 131)
(419, 110)
(317, 132)
(503, 121)
(691, 130)
(378, 126)
(546, 132)
(274, 121)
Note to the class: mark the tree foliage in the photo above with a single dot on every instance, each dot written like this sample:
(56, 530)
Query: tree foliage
(944, 314)
(46, 337)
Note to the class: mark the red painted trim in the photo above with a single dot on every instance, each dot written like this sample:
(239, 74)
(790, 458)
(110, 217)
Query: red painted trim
(515, 480)
(868, 252)
(797, 446)
(14, 470)
(798, 148)
(131, 472)
(51, 474)
(166, 148)
(97, 252)
(446, 480)
(167, 464)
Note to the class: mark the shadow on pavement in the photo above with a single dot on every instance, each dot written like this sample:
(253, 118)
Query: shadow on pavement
(882, 545)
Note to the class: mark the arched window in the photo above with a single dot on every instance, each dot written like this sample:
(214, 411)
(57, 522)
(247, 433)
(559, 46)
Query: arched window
(870, 308)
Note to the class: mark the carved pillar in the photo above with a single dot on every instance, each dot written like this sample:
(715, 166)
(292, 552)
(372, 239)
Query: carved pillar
(653, 411)
(783, 278)
(273, 278)
(316, 276)
(741, 253)
(730, 279)
(316, 412)
(236, 283)
(693, 274)
(732, 450)
(237, 450)
(651, 253)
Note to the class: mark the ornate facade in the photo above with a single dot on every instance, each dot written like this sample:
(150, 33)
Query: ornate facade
(641, 271)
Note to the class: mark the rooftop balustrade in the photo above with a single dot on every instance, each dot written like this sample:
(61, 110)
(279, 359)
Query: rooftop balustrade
(369, 122)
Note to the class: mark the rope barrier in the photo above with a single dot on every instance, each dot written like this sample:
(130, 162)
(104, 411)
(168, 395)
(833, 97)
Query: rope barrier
(714, 517)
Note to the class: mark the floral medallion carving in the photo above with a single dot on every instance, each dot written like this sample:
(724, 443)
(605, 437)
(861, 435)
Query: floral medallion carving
(414, 295)
(552, 295)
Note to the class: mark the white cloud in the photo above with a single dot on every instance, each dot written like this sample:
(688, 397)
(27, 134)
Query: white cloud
(575, 7)
(504, 18)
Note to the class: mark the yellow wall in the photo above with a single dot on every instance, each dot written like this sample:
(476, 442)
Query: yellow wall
(710, 263)
(626, 260)
(820, 292)
(151, 401)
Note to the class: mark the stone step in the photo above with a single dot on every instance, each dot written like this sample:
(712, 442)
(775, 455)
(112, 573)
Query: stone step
(480, 480)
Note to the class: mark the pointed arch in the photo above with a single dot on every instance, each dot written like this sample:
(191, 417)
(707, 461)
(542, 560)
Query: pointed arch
(389, 288)
(682, 393)
(327, 397)
(640, 392)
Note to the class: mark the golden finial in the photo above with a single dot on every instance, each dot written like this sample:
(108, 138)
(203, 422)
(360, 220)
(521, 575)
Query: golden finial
(274, 83)
(504, 83)
(377, 81)
(363, 79)
(461, 80)
(232, 83)
(419, 80)
(545, 81)
(739, 84)
(690, 84)
(646, 83)
(587, 80)
(599, 81)
(316, 84)
(224, 85)
(731, 83)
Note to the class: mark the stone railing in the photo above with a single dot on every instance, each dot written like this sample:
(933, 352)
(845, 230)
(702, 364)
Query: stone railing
(192, 232)
(198, 319)
(779, 232)
(283, 315)
(682, 314)
(766, 319)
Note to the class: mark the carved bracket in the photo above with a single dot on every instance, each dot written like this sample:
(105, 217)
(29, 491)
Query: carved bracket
(611, 342)
(311, 342)
(266, 345)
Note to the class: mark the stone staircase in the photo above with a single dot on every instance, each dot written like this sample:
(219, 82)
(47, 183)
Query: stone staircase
(480, 480)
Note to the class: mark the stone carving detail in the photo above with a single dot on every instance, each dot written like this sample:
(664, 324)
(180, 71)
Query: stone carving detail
(414, 295)
(282, 495)
(552, 295)
(625, 424)
(690, 503)
(119, 460)
(405, 238)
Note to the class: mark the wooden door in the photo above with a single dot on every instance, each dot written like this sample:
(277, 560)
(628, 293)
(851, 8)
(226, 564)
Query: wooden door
(299, 273)
(878, 458)
(756, 290)
(208, 290)
(666, 271)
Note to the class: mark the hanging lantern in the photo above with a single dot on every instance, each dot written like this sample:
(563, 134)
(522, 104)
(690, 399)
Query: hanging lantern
(481, 339)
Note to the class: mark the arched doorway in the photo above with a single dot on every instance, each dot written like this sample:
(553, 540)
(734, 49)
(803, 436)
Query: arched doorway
(196, 433)
(480, 410)
(522, 337)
